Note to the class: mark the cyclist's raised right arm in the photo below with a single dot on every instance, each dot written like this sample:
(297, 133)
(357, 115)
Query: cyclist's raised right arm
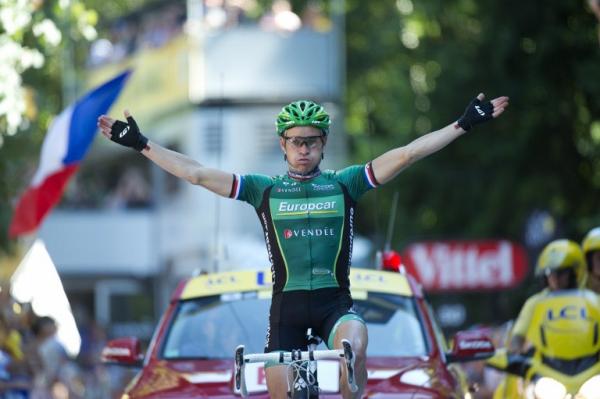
(182, 166)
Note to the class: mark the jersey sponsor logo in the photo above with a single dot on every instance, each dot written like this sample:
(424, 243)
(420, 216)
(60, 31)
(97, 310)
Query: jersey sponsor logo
(351, 236)
(268, 242)
(569, 312)
(314, 207)
(475, 345)
(295, 233)
(323, 187)
(288, 190)
(268, 337)
(285, 206)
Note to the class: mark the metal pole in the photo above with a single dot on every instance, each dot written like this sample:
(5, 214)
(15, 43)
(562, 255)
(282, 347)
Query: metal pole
(217, 257)
(391, 223)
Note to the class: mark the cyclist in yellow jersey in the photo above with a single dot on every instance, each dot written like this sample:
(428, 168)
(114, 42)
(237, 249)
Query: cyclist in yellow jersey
(562, 266)
(591, 250)
(307, 217)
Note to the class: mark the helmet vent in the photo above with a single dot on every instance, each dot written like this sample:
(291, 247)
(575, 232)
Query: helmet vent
(303, 113)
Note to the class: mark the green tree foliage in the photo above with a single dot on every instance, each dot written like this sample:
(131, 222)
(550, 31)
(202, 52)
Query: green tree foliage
(413, 67)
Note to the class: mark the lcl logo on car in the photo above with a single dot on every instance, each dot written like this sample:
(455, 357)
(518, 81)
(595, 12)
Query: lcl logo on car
(368, 277)
(221, 281)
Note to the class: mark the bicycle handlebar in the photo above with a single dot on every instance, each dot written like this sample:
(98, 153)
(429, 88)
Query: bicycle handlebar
(241, 359)
(293, 356)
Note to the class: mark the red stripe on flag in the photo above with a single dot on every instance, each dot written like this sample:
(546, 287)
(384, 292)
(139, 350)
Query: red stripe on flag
(36, 202)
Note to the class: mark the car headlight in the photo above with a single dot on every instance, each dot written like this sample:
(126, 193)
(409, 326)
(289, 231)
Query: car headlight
(549, 388)
(590, 389)
(529, 391)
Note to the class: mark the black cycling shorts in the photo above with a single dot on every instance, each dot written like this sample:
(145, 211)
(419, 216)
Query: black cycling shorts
(293, 312)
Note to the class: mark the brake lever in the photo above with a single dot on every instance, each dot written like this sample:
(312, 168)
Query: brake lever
(350, 359)
(240, 366)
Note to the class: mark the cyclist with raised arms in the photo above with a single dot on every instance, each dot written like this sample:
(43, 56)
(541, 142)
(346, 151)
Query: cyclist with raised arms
(307, 216)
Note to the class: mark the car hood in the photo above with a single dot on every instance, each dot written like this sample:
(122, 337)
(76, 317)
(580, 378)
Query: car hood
(408, 378)
(183, 378)
(398, 377)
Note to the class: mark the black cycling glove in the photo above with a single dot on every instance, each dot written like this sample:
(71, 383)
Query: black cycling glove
(477, 112)
(128, 134)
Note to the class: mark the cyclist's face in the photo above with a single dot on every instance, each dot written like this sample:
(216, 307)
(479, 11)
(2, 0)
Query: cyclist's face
(303, 146)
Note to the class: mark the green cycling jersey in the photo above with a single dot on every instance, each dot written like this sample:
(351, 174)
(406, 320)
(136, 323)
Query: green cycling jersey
(308, 224)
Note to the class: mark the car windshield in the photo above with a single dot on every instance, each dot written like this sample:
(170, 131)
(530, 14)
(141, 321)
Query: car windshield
(212, 327)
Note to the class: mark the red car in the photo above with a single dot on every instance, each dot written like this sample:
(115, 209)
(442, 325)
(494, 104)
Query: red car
(192, 352)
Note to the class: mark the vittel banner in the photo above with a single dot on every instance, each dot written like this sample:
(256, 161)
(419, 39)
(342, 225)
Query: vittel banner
(466, 265)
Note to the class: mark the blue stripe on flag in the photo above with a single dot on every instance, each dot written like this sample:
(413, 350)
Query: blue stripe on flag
(87, 109)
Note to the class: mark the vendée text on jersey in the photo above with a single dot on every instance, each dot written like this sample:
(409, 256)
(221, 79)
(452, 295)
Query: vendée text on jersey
(326, 232)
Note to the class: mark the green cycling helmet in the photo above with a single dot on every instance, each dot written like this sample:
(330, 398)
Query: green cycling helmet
(303, 113)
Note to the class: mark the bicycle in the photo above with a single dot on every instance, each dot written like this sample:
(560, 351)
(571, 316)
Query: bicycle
(303, 363)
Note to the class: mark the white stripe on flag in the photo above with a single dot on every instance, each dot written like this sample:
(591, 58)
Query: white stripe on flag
(55, 147)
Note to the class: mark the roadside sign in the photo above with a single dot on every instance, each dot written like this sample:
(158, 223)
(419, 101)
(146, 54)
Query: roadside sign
(466, 265)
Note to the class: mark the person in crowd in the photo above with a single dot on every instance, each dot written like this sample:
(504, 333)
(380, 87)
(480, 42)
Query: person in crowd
(280, 18)
(314, 18)
(11, 356)
(7, 302)
(46, 357)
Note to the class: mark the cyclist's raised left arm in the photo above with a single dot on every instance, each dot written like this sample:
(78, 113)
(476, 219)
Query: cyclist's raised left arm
(388, 165)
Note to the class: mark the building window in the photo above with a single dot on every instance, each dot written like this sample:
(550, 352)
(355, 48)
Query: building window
(213, 138)
(267, 142)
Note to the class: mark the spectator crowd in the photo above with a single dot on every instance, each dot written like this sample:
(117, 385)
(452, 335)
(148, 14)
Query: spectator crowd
(35, 365)
(154, 27)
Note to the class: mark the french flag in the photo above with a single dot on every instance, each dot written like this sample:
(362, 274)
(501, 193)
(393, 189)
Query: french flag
(64, 147)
